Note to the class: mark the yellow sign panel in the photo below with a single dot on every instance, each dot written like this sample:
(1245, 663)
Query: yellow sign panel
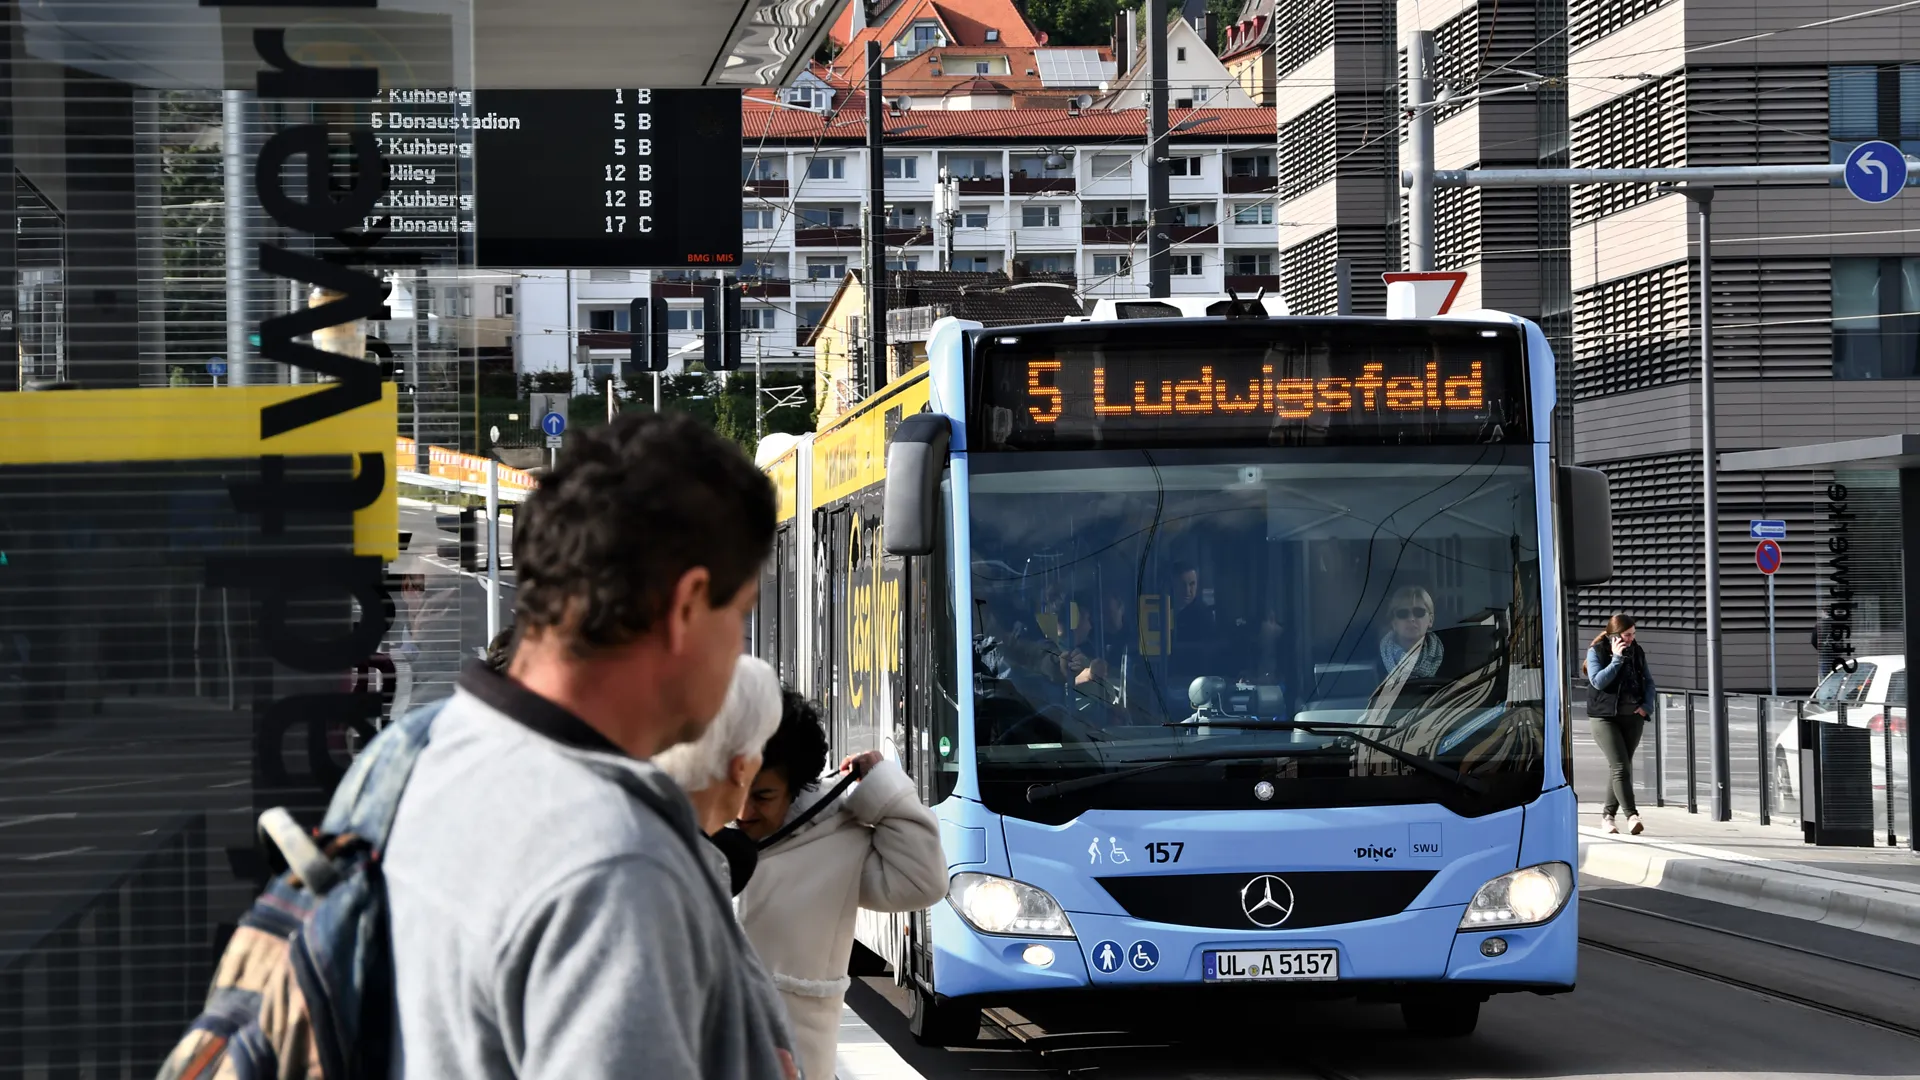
(203, 423)
(852, 454)
(785, 474)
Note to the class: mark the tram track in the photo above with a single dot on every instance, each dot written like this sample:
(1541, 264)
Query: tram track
(1909, 1027)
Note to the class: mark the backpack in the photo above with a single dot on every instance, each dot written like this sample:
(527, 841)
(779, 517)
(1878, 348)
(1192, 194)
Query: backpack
(304, 988)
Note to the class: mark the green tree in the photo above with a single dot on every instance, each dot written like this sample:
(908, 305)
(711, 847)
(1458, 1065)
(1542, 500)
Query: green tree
(1076, 22)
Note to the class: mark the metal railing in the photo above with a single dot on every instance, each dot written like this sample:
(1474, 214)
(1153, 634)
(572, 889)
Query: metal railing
(1763, 745)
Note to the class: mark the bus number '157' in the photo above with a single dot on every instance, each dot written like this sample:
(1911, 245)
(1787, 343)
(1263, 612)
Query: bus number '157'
(1165, 852)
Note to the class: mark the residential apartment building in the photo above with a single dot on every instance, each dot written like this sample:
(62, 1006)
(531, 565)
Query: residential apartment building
(1028, 192)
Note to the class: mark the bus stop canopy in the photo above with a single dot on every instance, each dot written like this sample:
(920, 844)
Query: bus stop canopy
(1899, 452)
(443, 44)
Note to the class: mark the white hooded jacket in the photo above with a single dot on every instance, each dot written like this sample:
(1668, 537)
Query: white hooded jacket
(878, 848)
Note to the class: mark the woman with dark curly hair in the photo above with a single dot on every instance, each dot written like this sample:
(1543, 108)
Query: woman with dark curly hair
(875, 847)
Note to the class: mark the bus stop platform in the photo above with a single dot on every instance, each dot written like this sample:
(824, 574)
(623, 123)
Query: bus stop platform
(1765, 868)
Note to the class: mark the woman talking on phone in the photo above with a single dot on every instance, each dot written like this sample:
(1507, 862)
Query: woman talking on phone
(1621, 700)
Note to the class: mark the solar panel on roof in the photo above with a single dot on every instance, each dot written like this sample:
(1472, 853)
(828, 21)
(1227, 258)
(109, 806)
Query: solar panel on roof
(1072, 67)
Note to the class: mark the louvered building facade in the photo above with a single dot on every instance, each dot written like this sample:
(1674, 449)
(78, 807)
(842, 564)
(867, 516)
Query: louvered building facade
(1811, 293)
(1340, 68)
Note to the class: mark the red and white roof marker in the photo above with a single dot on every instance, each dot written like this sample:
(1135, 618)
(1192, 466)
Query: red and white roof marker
(1422, 294)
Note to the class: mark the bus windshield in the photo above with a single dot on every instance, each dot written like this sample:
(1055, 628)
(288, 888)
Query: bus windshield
(1330, 612)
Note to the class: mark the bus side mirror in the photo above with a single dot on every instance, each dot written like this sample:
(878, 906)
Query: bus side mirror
(1586, 526)
(910, 513)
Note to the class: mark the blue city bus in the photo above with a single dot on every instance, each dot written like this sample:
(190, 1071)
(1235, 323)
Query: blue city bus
(1228, 650)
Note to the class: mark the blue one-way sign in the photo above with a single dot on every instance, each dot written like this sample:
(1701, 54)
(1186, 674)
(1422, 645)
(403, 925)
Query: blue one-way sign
(1876, 171)
(1768, 530)
(553, 423)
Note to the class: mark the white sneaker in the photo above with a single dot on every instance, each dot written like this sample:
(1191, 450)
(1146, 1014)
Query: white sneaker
(1607, 823)
(1635, 825)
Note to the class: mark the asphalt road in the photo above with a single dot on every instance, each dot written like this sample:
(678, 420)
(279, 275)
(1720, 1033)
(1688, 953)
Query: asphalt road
(1732, 1015)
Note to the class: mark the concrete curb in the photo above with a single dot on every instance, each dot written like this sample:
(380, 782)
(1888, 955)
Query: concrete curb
(1844, 901)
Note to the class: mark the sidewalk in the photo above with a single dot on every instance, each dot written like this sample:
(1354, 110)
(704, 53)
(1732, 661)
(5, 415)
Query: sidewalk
(1760, 867)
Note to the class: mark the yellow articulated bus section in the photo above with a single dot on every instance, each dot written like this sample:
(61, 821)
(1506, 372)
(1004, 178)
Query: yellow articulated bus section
(851, 455)
(784, 471)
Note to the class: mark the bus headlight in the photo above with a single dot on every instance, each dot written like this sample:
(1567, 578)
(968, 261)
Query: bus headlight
(997, 905)
(1524, 897)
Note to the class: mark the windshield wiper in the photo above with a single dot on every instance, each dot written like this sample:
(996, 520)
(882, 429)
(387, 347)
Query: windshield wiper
(1043, 792)
(1424, 764)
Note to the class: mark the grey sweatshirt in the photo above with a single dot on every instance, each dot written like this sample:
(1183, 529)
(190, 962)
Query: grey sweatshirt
(548, 922)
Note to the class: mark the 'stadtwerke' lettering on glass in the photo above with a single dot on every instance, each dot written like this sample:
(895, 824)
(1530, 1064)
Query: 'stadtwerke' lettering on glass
(1461, 388)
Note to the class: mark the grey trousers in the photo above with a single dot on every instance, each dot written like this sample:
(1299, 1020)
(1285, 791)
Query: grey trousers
(1618, 736)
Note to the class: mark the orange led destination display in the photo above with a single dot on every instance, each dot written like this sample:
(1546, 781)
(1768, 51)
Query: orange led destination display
(1331, 382)
(1291, 398)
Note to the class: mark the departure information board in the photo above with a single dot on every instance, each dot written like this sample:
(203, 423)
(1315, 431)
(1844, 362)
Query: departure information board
(627, 177)
(1202, 382)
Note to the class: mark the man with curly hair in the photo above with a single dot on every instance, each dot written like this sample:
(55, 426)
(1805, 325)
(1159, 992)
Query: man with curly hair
(554, 909)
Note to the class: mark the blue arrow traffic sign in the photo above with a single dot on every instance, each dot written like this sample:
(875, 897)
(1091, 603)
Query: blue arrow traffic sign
(1875, 171)
(1766, 556)
(1761, 529)
(553, 423)
(216, 367)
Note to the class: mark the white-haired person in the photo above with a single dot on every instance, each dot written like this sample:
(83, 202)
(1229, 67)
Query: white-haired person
(716, 770)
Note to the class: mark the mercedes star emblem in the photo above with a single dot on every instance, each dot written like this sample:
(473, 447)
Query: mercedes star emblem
(1267, 900)
(1263, 791)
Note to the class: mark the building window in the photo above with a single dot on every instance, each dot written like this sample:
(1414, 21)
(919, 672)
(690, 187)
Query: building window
(1112, 167)
(827, 168)
(1184, 165)
(760, 267)
(1252, 165)
(756, 318)
(808, 316)
(503, 301)
(1873, 101)
(760, 168)
(1874, 337)
(1113, 216)
(1045, 264)
(1256, 264)
(969, 169)
(823, 217)
(974, 264)
(1180, 54)
(1112, 266)
(911, 262)
(1035, 165)
(1193, 214)
(903, 217)
(683, 318)
(900, 168)
(1183, 103)
(1039, 217)
(973, 217)
(1260, 213)
(756, 219)
(607, 319)
(1186, 266)
(993, 35)
(982, 67)
(819, 269)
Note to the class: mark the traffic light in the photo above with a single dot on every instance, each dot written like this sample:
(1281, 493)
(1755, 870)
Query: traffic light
(730, 323)
(647, 347)
(466, 529)
(713, 345)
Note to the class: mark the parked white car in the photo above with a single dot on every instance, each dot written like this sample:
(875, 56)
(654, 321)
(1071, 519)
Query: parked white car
(1873, 692)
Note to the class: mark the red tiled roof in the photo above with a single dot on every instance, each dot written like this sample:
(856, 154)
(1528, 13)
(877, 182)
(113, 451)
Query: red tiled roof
(760, 122)
(916, 75)
(966, 23)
